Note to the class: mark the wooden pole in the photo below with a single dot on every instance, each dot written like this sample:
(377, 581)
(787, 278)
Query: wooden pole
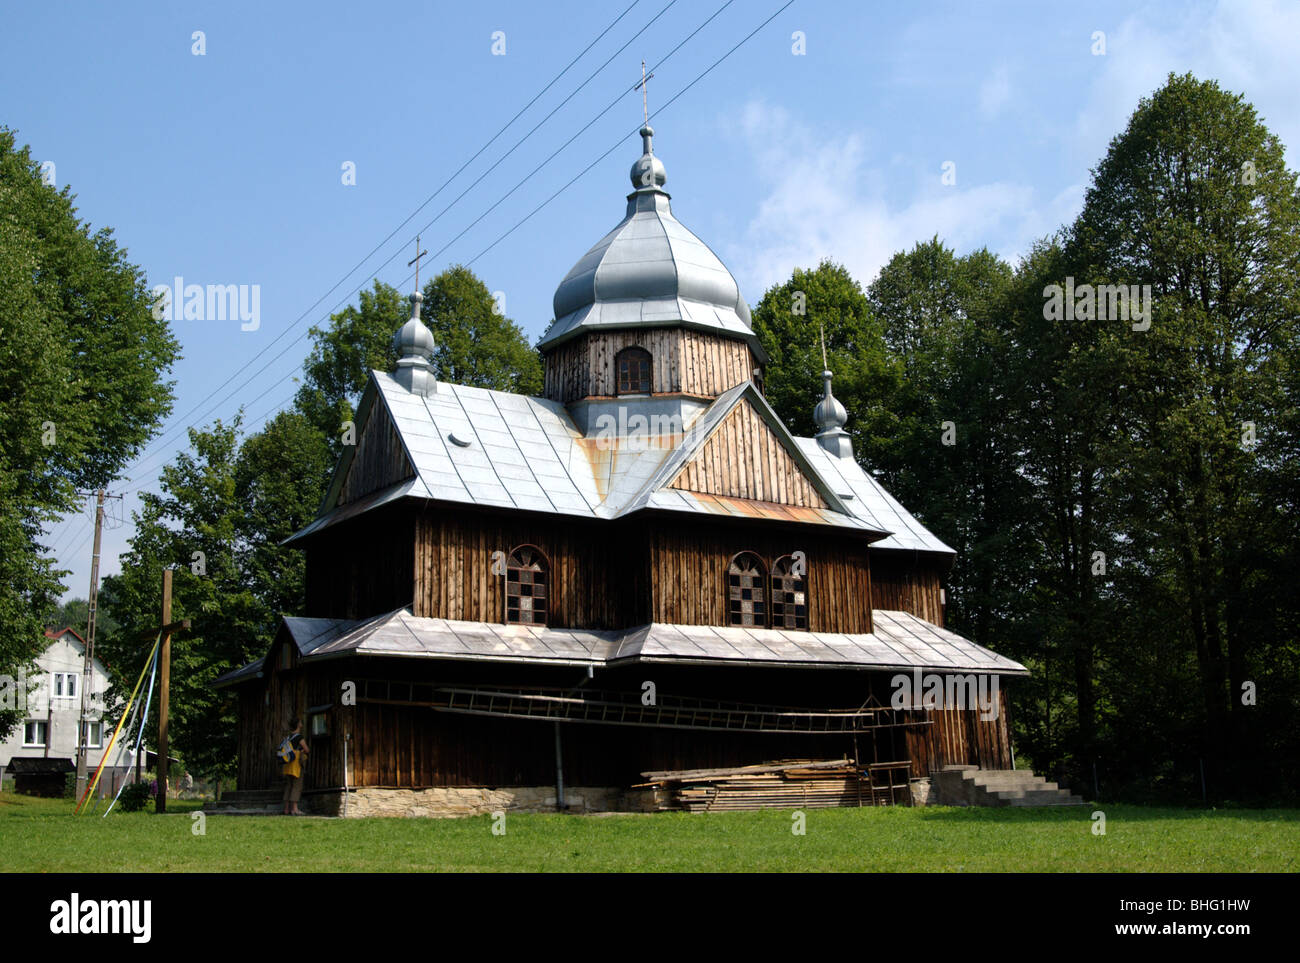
(164, 692)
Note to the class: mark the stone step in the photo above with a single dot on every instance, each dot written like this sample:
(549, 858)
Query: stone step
(968, 786)
(996, 783)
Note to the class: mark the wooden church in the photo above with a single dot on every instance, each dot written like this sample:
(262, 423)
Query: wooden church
(541, 602)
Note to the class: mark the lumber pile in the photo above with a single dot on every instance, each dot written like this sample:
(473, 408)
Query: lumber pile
(786, 784)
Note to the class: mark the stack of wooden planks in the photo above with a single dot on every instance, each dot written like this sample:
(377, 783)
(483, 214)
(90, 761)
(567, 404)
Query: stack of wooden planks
(786, 784)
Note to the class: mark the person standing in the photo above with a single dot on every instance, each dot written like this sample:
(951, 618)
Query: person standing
(293, 753)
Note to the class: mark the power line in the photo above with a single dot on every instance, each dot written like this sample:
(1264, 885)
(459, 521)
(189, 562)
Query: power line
(395, 230)
(161, 449)
(617, 143)
(529, 176)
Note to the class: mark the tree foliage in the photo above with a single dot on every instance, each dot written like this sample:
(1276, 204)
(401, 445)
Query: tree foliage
(82, 367)
(1123, 497)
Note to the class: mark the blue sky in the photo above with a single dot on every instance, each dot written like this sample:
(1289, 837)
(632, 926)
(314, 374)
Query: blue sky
(226, 168)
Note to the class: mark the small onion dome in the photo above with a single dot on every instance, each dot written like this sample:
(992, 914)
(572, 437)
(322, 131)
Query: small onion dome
(414, 339)
(829, 413)
(648, 172)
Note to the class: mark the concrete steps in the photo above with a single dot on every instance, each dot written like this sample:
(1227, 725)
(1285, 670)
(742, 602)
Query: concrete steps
(969, 786)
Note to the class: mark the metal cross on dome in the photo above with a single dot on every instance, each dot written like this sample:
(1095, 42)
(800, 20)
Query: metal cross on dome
(416, 261)
(643, 86)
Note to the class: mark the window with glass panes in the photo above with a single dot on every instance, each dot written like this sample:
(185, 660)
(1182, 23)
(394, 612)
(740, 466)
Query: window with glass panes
(526, 586)
(633, 365)
(789, 596)
(745, 591)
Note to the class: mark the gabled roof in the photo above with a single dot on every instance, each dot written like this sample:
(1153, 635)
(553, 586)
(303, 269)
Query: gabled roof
(73, 637)
(503, 450)
(899, 641)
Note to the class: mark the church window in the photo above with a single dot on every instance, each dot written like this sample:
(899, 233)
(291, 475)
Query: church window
(527, 575)
(789, 596)
(746, 595)
(633, 368)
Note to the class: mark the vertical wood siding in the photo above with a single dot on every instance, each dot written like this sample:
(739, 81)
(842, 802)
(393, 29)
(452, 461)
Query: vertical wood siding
(597, 578)
(380, 459)
(908, 582)
(688, 570)
(683, 361)
(745, 459)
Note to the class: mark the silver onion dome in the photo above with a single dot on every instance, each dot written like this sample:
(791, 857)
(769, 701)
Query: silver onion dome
(414, 344)
(650, 271)
(829, 413)
(414, 339)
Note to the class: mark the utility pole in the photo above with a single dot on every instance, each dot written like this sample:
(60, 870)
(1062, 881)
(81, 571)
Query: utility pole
(88, 664)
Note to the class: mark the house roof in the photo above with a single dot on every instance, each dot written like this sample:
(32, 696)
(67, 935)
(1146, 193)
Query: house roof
(39, 766)
(899, 641)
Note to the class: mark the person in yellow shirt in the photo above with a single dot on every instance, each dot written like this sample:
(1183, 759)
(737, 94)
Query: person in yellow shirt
(292, 753)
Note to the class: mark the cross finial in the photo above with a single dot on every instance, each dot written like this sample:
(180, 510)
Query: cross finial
(645, 102)
(416, 261)
(822, 326)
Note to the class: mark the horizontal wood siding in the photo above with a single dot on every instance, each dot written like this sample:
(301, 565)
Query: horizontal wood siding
(745, 459)
(688, 569)
(908, 582)
(682, 361)
(380, 459)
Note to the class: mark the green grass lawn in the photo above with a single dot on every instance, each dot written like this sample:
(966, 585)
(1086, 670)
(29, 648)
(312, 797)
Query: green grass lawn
(42, 835)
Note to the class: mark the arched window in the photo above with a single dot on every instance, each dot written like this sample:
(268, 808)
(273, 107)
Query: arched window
(789, 595)
(632, 367)
(746, 597)
(527, 595)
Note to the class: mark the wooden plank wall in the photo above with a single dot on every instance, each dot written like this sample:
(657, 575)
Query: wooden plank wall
(683, 361)
(745, 459)
(414, 746)
(960, 737)
(908, 582)
(598, 578)
(379, 461)
(688, 569)
(363, 567)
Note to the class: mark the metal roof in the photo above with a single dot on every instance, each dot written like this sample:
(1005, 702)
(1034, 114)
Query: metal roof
(870, 502)
(650, 271)
(900, 640)
(527, 453)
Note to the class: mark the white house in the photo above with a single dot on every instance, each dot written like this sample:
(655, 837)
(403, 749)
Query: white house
(53, 706)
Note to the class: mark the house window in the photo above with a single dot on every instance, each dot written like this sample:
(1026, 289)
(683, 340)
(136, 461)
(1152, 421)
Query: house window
(527, 576)
(34, 734)
(789, 596)
(745, 591)
(633, 367)
(65, 685)
(94, 735)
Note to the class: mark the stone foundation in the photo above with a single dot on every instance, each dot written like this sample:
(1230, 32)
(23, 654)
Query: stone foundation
(921, 793)
(450, 801)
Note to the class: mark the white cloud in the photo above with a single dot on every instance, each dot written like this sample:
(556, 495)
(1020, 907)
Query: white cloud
(1251, 47)
(824, 200)
(833, 194)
